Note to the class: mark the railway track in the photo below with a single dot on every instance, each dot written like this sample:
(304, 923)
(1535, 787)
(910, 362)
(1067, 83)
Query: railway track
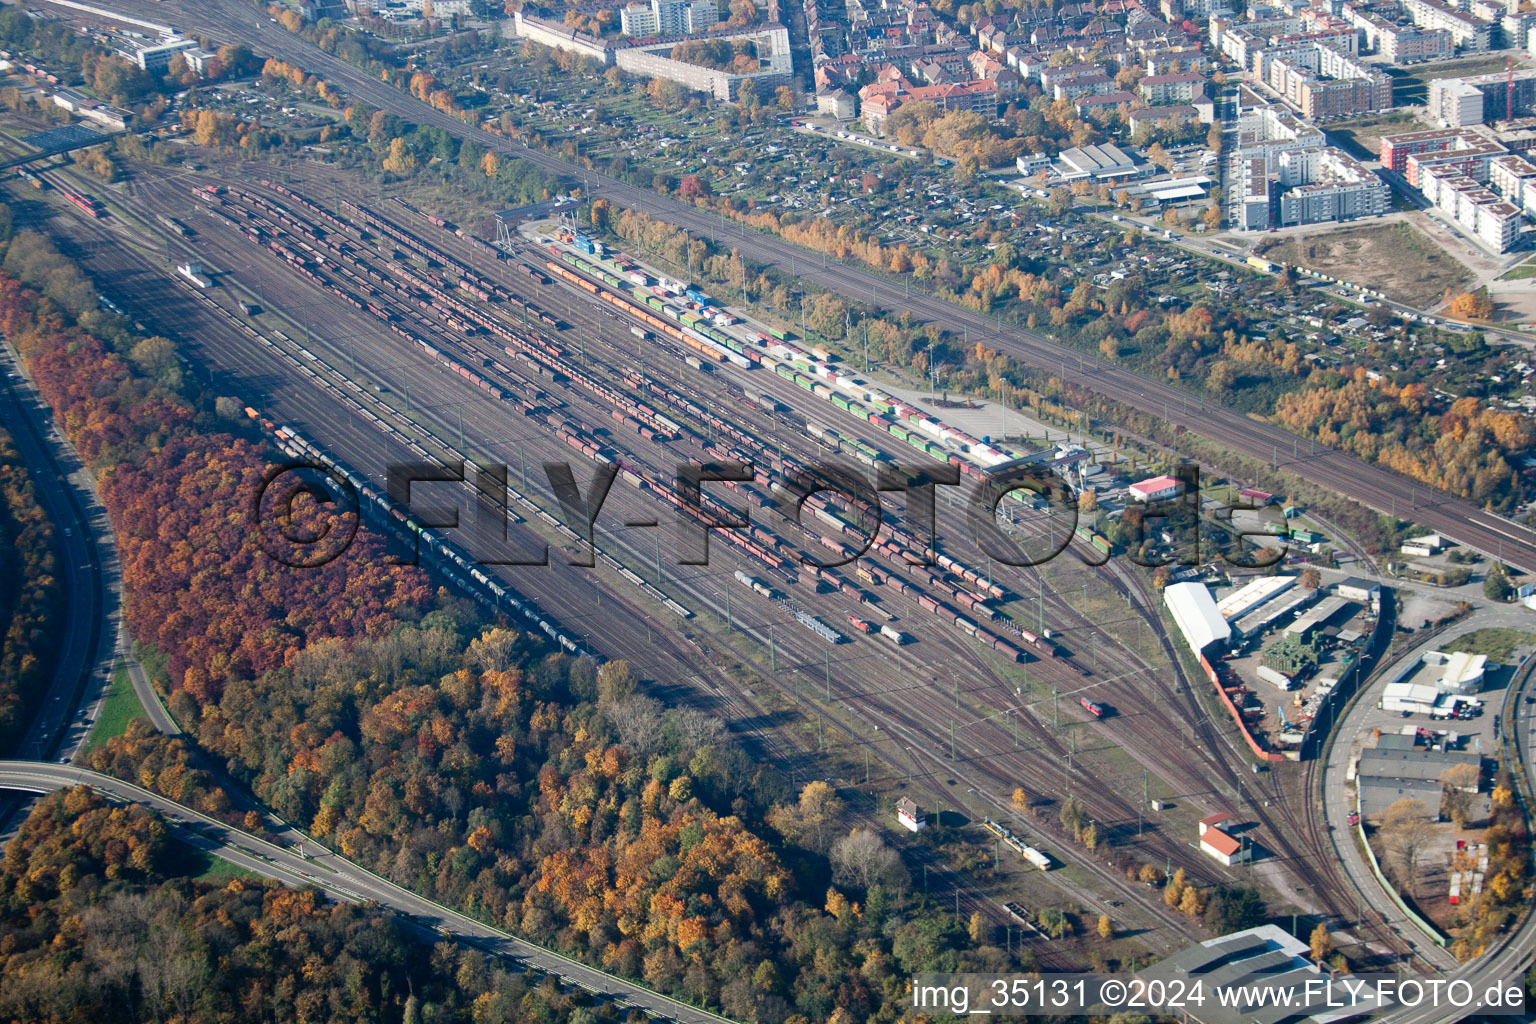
(667, 656)
(920, 718)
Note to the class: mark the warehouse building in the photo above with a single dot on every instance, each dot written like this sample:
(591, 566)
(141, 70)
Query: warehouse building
(1257, 592)
(1391, 772)
(1194, 612)
(1273, 960)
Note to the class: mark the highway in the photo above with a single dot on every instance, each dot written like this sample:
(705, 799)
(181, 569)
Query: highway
(1345, 474)
(345, 880)
(87, 569)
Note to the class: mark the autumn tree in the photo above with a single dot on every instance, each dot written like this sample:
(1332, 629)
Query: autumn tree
(810, 821)
(1106, 928)
(1458, 784)
(1321, 942)
(1173, 892)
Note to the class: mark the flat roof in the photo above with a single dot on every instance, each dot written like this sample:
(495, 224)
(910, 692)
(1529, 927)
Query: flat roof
(1182, 192)
(1257, 592)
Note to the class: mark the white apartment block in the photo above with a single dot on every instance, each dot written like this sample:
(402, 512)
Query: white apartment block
(1321, 83)
(1474, 208)
(1399, 44)
(638, 21)
(1267, 132)
(1462, 102)
(668, 17)
(1472, 35)
(1327, 184)
(1514, 178)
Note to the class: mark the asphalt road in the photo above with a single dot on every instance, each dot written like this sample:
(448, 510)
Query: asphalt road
(64, 490)
(1369, 484)
(347, 881)
(1507, 959)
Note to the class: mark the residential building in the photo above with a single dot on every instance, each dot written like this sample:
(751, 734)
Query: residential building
(1472, 35)
(639, 21)
(1177, 87)
(1325, 185)
(1098, 107)
(838, 103)
(684, 17)
(1177, 114)
(770, 41)
(1322, 83)
(1461, 102)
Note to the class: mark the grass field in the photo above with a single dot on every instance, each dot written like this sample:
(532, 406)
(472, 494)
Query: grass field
(1523, 272)
(1396, 259)
(1410, 87)
(1497, 643)
(121, 707)
(205, 867)
(1360, 137)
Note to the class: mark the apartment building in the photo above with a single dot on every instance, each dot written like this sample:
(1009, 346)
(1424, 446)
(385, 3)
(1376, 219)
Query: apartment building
(1320, 83)
(1471, 34)
(1326, 184)
(1178, 87)
(1473, 207)
(1514, 178)
(1460, 102)
(1398, 43)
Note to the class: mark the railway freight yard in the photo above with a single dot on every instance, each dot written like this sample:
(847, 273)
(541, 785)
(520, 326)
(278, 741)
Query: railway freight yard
(1071, 756)
(367, 332)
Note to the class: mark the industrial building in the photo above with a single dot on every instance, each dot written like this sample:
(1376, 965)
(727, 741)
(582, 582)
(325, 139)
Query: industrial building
(1104, 162)
(1393, 771)
(1354, 588)
(1263, 616)
(156, 57)
(1257, 592)
(1156, 488)
(1194, 612)
(1270, 958)
(909, 816)
(1317, 618)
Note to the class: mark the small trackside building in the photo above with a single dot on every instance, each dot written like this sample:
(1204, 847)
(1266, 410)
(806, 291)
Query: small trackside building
(909, 816)
(1219, 845)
